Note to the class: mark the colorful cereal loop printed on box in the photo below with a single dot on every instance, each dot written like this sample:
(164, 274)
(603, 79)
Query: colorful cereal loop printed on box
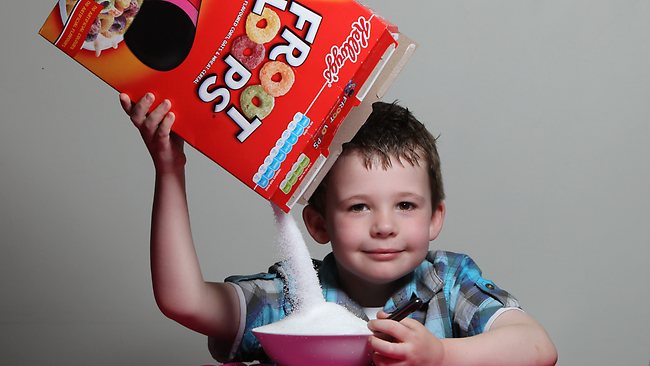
(267, 78)
(248, 106)
(276, 77)
(264, 34)
(249, 53)
(279, 152)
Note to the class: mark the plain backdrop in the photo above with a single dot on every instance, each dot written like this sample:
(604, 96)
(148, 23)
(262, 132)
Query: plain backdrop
(542, 110)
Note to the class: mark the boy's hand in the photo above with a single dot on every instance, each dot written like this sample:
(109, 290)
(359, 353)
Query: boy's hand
(165, 147)
(403, 343)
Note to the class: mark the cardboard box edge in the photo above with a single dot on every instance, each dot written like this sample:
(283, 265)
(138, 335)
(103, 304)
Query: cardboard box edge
(358, 115)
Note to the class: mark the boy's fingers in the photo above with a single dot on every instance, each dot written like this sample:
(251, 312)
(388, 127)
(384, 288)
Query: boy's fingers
(388, 329)
(165, 126)
(139, 111)
(382, 314)
(383, 326)
(125, 102)
(378, 359)
(411, 323)
(156, 116)
(386, 348)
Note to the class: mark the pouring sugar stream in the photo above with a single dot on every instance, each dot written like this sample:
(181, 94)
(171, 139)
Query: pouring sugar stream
(316, 333)
(312, 314)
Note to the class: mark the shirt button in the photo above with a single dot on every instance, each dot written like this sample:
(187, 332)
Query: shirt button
(489, 286)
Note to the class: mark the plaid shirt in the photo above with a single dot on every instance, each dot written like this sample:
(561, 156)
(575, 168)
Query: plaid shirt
(459, 301)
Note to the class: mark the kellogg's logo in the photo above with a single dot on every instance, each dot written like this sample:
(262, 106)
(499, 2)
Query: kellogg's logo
(349, 50)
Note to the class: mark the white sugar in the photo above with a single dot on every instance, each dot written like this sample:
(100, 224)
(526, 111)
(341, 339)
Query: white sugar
(300, 269)
(311, 315)
(324, 319)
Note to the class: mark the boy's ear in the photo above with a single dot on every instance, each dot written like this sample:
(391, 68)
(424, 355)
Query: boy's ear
(315, 223)
(437, 220)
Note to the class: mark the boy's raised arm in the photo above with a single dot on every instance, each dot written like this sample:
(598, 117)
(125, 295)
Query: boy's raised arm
(179, 288)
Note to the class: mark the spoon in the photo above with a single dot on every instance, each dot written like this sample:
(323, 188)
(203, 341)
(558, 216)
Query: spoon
(412, 305)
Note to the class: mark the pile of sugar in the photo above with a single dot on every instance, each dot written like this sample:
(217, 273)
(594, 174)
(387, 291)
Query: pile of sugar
(312, 315)
(324, 319)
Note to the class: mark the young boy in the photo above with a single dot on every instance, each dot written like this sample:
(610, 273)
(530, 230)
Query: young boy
(379, 207)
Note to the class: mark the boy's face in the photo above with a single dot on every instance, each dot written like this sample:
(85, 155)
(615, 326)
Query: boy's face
(379, 221)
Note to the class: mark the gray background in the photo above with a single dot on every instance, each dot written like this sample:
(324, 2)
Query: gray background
(542, 108)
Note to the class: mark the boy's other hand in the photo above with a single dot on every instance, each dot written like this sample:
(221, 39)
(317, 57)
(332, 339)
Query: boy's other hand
(165, 147)
(403, 343)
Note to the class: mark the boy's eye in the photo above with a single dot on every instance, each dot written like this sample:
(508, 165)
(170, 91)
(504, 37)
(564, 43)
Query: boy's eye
(406, 206)
(358, 207)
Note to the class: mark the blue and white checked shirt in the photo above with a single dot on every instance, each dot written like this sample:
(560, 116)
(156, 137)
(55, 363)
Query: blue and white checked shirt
(459, 302)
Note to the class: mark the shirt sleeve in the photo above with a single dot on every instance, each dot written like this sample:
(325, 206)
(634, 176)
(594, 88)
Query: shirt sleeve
(477, 299)
(262, 302)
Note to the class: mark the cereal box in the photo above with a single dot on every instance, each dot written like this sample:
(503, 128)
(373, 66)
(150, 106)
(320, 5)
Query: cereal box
(267, 89)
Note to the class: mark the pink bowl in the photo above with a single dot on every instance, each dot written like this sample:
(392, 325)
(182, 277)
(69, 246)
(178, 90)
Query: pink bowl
(316, 350)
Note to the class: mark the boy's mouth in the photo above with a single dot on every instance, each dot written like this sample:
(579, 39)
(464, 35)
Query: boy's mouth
(383, 254)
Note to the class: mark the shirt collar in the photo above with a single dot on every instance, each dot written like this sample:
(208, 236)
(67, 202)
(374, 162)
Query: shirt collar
(423, 282)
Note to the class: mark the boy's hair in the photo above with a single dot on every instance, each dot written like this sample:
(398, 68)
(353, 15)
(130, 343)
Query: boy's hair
(391, 131)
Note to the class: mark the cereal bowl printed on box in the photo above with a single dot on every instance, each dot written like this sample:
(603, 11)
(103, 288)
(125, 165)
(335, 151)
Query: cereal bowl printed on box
(108, 29)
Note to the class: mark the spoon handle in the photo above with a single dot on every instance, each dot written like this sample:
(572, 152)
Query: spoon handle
(414, 304)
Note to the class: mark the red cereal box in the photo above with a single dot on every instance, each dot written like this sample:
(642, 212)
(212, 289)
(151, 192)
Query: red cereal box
(262, 88)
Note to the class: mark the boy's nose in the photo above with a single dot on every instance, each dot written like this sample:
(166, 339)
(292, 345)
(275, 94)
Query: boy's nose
(383, 225)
